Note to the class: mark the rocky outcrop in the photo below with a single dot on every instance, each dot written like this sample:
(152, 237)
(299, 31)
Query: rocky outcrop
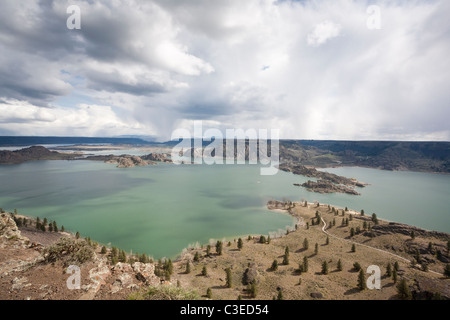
(323, 186)
(9, 232)
(399, 228)
(123, 161)
(158, 157)
(250, 274)
(31, 154)
(129, 161)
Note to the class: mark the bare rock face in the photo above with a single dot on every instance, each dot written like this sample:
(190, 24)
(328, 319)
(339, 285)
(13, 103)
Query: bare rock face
(9, 232)
(159, 157)
(145, 272)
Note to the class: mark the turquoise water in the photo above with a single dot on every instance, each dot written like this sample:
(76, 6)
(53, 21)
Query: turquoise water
(162, 209)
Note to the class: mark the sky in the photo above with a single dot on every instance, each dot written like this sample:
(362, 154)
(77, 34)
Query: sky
(331, 69)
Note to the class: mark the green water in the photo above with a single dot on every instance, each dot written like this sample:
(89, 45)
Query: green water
(162, 209)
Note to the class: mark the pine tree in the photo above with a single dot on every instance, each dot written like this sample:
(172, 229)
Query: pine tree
(346, 209)
(62, 229)
(447, 271)
(196, 256)
(188, 267)
(403, 290)
(55, 226)
(280, 295)
(325, 267)
(357, 266)
(253, 290)
(305, 264)
(208, 250)
(316, 249)
(219, 247)
(307, 226)
(364, 225)
(240, 244)
(352, 232)
(286, 251)
(327, 241)
(103, 251)
(353, 248)
(268, 240)
(262, 239)
(50, 227)
(305, 244)
(361, 280)
(362, 213)
(413, 235)
(286, 259)
(45, 222)
(77, 235)
(204, 271)
(229, 281)
(396, 266)
(389, 270)
(339, 265)
(394, 275)
(42, 227)
(239, 297)
(249, 238)
(351, 217)
(430, 247)
(274, 266)
(209, 293)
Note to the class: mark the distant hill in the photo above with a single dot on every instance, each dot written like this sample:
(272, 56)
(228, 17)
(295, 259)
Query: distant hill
(31, 141)
(387, 155)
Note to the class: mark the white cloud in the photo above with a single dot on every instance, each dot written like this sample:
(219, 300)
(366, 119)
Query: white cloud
(323, 32)
(164, 62)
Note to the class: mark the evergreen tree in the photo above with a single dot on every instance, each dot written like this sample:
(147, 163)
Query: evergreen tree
(208, 250)
(339, 265)
(389, 270)
(280, 295)
(447, 271)
(430, 247)
(394, 275)
(327, 241)
(325, 267)
(274, 266)
(77, 235)
(268, 240)
(103, 251)
(356, 266)
(439, 255)
(352, 232)
(253, 290)
(204, 271)
(45, 222)
(240, 244)
(42, 227)
(362, 212)
(55, 226)
(229, 281)
(353, 248)
(413, 235)
(249, 238)
(307, 226)
(403, 290)
(286, 251)
(196, 256)
(343, 222)
(239, 297)
(286, 259)
(305, 264)
(361, 280)
(396, 266)
(351, 217)
(209, 293)
(346, 209)
(364, 225)
(316, 249)
(62, 229)
(50, 227)
(262, 239)
(219, 247)
(305, 244)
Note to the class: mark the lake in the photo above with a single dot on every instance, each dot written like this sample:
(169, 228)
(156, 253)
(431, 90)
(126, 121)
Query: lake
(164, 208)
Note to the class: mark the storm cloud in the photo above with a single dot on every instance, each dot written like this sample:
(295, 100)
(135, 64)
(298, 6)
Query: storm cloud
(312, 69)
